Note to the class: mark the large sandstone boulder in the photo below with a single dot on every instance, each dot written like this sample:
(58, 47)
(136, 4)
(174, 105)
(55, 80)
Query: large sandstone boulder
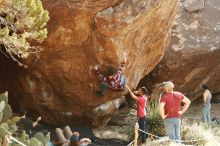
(193, 57)
(59, 84)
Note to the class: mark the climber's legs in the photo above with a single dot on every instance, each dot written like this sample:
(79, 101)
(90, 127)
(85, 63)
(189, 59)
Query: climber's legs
(123, 81)
(103, 87)
(68, 132)
(60, 135)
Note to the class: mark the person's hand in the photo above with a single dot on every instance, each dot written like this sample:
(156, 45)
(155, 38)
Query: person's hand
(39, 118)
(164, 116)
(96, 67)
(180, 112)
(125, 59)
(135, 92)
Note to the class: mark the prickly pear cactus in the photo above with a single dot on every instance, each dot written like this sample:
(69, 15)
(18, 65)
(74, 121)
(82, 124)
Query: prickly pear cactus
(7, 112)
(13, 128)
(5, 115)
(44, 139)
(4, 108)
(8, 125)
(35, 142)
(4, 98)
(39, 136)
(3, 131)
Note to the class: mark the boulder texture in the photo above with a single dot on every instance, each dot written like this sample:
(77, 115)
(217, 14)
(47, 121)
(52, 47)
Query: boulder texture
(194, 5)
(193, 57)
(59, 84)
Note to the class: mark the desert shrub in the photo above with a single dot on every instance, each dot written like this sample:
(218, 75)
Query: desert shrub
(196, 134)
(155, 123)
(21, 23)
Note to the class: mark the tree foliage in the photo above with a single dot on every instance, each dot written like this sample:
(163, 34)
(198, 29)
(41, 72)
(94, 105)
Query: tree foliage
(22, 22)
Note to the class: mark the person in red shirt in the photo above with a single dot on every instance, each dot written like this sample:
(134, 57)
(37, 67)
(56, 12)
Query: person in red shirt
(113, 80)
(171, 111)
(141, 98)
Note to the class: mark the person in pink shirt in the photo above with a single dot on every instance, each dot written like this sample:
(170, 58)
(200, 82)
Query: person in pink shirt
(171, 111)
(141, 98)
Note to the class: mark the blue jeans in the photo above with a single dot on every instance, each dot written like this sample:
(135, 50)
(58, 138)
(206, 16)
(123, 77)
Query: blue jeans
(206, 116)
(142, 125)
(123, 81)
(104, 86)
(172, 126)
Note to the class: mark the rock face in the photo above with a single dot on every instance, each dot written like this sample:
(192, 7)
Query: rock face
(194, 5)
(103, 113)
(59, 84)
(193, 57)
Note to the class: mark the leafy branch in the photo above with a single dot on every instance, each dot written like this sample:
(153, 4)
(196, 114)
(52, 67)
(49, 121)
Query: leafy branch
(22, 22)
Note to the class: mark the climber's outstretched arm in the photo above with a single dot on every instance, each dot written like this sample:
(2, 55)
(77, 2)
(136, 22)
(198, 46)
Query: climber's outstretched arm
(98, 72)
(131, 93)
(36, 122)
(100, 75)
(122, 66)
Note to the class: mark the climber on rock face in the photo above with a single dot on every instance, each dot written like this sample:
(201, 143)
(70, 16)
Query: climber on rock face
(113, 79)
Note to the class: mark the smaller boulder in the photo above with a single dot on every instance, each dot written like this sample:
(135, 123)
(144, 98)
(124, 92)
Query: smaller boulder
(194, 5)
(119, 120)
(102, 114)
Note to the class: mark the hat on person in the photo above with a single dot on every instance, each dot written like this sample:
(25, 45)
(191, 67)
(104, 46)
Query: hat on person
(74, 138)
(168, 85)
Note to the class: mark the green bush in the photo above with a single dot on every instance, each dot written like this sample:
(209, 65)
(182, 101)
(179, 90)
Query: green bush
(155, 124)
